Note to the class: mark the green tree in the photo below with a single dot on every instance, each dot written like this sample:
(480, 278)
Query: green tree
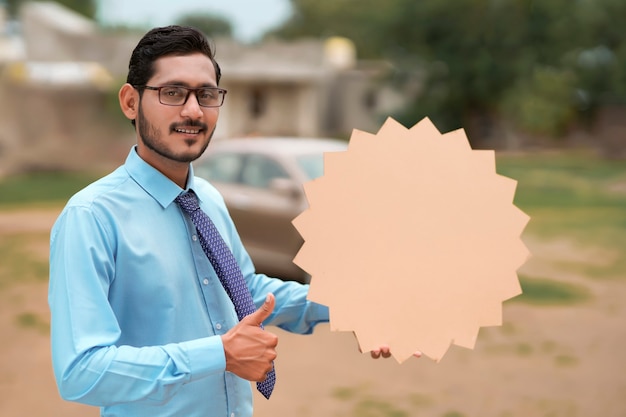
(541, 103)
(479, 55)
(363, 21)
(87, 8)
(210, 25)
(12, 6)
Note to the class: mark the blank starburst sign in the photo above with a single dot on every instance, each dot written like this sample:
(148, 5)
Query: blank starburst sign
(412, 239)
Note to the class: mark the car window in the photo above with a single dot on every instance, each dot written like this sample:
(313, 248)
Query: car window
(222, 168)
(259, 171)
(312, 165)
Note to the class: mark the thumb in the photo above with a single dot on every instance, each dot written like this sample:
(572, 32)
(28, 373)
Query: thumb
(259, 316)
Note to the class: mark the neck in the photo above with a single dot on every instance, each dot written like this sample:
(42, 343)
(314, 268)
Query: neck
(176, 171)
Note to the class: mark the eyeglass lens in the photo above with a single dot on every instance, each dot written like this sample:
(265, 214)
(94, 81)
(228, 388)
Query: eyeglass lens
(176, 96)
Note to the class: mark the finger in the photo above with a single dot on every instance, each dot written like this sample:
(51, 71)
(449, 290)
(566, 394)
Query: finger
(384, 351)
(259, 316)
(377, 354)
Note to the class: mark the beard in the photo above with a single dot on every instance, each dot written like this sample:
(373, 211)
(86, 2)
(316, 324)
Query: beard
(152, 137)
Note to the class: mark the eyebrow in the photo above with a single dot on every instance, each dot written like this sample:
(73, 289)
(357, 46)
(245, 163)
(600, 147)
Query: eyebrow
(185, 84)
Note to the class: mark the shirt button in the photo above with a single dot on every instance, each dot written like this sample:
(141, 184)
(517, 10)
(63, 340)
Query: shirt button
(218, 326)
(194, 238)
(205, 281)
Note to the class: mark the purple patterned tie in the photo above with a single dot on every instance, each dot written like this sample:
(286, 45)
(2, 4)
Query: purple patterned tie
(226, 268)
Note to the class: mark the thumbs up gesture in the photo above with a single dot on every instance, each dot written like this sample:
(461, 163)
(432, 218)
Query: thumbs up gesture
(249, 349)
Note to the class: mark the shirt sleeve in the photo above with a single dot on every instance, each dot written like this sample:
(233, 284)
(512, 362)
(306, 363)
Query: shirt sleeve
(89, 367)
(293, 312)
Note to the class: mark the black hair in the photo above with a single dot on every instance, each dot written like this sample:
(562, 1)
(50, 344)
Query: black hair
(164, 41)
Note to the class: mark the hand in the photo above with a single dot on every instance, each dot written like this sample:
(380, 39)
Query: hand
(249, 349)
(385, 352)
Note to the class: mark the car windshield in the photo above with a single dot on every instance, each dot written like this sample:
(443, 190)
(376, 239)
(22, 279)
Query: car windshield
(311, 165)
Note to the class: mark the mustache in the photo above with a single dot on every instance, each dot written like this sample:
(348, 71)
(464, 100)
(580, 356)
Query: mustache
(190, 123)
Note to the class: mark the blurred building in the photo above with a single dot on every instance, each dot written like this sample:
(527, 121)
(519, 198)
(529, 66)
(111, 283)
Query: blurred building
(300, 88)
(55, 87)
(53, 95)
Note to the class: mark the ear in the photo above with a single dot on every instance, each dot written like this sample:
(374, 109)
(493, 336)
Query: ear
(129, 101)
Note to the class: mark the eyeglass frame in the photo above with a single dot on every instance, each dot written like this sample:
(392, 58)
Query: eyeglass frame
(221, 91)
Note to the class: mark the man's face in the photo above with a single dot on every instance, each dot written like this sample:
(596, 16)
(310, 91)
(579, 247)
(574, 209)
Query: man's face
(177, 134)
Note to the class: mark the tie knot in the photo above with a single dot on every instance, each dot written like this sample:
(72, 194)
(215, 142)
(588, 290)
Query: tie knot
(188, 202)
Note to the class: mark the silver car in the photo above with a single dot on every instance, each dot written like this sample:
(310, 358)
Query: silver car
(261, 180)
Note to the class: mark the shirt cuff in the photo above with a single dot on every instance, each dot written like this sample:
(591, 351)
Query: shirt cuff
(319, 313)
(206, 356)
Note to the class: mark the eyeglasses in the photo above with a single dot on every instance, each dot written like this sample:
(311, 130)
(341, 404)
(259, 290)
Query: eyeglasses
(176, 95)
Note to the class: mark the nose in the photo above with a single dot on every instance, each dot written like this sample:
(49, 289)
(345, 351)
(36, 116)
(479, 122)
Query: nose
(191, 108)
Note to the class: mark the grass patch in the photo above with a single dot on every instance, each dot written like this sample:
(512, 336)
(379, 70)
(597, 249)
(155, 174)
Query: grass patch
(524, 349)
(376, 408)
(420, 400)
(597, 226)
(565, 360)
(508, 329)
(453, 414)
(548, 346)
(33, 321)
(573, 195)
(544, 291)
(344, 393)
(611, 269)
(18, 263)
(41, 187)
(564, 179)
(364, 404)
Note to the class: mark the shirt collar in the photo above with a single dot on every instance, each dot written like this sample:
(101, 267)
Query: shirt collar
(161, 188)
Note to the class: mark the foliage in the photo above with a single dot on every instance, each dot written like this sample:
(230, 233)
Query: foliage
(479, 54)
(13, 6)
(543, 102)
(86, 8)
(210, 25)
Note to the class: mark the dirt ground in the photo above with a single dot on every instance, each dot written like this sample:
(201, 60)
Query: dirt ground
(544, 361)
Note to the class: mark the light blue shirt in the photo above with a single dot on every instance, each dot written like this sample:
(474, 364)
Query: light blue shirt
(137, 310)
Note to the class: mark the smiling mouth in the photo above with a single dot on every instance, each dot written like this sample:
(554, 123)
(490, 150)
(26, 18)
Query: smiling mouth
(188, 131)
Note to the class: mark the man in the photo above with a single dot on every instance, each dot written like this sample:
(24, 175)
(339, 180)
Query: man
(141, 322)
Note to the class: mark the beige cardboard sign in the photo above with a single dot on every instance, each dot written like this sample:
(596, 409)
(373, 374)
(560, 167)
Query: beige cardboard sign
(412, 239)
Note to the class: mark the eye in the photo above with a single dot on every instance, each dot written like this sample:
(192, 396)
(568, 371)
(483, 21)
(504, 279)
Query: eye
(173, 91)
(207, 94)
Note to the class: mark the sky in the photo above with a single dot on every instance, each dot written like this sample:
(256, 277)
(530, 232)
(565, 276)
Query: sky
(250, 18)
